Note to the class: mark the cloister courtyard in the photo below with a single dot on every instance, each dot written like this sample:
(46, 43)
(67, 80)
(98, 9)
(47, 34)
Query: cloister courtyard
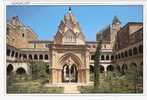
(69, 63)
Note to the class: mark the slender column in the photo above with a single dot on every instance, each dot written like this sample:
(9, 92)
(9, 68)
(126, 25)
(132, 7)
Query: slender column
(64, 73)
(105, 70)
(69, 73)
(87, 75)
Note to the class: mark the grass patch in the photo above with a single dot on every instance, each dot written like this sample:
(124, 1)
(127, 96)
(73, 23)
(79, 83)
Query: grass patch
(111, 84)
(26, 85)
(32, 87)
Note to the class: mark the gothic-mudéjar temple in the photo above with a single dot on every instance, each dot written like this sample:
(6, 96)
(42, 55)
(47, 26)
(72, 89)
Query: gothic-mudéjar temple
(69, 55)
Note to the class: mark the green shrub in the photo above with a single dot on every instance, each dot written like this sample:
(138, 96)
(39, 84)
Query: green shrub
(39, 69)
(32, 87)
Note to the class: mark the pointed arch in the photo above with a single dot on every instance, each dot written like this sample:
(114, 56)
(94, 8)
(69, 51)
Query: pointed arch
(110, 68)
(68, 55)
(9, 69)
(107, 57)
(20, 71)
(102, 57)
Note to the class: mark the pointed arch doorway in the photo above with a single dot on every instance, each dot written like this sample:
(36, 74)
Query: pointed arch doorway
(69, 73)
(70, 68)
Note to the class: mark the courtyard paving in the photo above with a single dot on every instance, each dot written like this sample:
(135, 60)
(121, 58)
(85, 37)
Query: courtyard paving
(69, 88)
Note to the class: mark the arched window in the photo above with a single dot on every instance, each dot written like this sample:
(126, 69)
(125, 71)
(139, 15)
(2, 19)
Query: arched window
(141, 49)
(30, 57)
(19, 55)
(107, 57)
(126, 54)
(67, 71)
(24, 56)
(112, 57)
(46, 57)
(20, 71)
(73, 69)
(9, 69)
(94, 46)
(135, 51)
(35, 57)
(12, 54)
(22, 34)
(16, 54)
(40, 57)
(8, 52)
(102, 57)
(110, 68)
(130, 52)
(104, 46)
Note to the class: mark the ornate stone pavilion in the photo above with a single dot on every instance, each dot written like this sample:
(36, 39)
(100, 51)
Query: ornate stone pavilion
(69, 55)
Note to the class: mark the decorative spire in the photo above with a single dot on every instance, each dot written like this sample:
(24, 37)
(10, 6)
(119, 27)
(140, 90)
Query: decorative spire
(15, 21)
(69, 9)
(115, 20)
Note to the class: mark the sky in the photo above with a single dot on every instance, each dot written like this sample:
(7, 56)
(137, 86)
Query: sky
(44, 19)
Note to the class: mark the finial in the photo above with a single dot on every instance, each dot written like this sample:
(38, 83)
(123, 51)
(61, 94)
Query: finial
(69, 9)
(115, 20)
(15, 17)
